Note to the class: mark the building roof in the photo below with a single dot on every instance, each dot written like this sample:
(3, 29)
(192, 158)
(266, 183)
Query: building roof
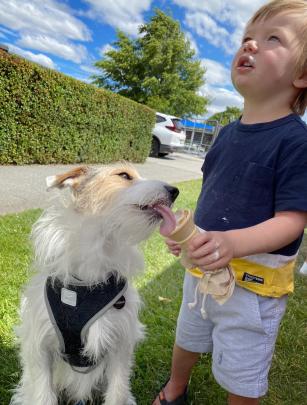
(197, 125)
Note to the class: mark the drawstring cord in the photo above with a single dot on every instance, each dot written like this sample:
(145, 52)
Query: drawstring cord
(202, 309)
(191, 305)
(220, 284)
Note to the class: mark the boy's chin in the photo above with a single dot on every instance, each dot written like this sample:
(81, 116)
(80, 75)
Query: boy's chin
(242, 88)
(246, 89)
(239, 83)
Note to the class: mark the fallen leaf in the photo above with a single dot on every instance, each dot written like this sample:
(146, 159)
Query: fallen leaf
(164, 299)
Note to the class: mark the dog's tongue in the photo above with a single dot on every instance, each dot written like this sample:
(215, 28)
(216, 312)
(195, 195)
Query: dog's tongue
(169, 221)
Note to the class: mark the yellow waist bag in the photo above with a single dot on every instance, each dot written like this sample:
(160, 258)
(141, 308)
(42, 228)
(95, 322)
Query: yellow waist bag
(263, 280)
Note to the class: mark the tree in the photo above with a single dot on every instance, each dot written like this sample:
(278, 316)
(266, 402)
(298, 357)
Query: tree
(227, 116)
(157, 69)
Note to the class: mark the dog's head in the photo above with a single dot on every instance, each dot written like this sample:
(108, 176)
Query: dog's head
(118, 197)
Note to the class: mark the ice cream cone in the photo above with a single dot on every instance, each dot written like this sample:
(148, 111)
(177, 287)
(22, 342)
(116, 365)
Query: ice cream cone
(185, 227)
(185, 230)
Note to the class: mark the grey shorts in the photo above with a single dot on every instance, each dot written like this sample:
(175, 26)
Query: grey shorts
(241, 335)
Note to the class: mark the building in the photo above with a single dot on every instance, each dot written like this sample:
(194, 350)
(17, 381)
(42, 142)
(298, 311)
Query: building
(200, 134)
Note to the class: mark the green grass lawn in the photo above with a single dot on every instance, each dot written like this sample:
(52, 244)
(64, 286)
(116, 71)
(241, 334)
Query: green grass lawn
(160, 288)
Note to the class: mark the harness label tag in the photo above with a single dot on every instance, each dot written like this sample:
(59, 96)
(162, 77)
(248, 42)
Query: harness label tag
(253, 279)
(69, 297)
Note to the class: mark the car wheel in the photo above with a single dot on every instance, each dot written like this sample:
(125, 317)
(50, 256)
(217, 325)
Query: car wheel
(163, 154)
(155, 146)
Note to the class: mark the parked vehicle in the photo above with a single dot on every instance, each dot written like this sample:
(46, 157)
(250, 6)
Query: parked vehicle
(167, 136)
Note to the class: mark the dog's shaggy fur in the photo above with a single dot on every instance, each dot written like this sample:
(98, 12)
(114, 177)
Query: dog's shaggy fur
(109, 211)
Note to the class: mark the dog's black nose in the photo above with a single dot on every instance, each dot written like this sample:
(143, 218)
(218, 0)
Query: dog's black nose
(173, 192)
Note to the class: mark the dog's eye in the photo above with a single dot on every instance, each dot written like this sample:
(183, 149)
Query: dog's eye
(125, 175)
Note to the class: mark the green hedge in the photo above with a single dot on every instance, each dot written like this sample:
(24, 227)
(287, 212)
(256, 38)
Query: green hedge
(47, 117)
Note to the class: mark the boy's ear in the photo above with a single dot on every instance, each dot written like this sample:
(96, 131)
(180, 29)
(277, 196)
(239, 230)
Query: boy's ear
(301, 82)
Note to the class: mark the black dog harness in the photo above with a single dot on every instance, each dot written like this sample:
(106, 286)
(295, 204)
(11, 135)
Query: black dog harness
(74, 308)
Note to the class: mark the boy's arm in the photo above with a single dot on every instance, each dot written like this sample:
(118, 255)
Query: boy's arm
(215, 249)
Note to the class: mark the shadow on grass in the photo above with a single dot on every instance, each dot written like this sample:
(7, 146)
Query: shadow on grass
(9, 371)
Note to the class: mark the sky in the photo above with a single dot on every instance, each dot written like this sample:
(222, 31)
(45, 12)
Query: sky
(71, 35)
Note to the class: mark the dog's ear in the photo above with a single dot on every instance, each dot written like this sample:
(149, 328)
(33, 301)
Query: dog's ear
(69, 179)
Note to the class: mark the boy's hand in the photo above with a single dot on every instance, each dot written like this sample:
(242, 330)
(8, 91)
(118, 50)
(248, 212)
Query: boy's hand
(173, 247)
(211, 250)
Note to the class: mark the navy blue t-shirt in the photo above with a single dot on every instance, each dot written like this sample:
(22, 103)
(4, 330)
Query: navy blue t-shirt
(253, 171)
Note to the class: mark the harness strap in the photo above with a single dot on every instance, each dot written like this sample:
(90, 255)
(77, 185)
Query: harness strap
(74, 308)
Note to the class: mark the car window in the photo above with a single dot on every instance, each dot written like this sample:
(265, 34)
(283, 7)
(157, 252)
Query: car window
(160, 119)
(177, 124)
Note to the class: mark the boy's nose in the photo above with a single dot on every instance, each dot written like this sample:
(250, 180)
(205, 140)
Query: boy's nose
(250, 46)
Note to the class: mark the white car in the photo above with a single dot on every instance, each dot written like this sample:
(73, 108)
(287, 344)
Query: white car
(167, 136)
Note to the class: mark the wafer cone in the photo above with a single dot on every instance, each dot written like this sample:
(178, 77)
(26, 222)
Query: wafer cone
(185, 228)
(184, 231)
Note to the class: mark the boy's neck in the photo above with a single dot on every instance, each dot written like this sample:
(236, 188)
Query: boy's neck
(253, 114)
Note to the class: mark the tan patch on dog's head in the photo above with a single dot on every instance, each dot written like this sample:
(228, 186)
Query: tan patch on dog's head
(99, 192)
(94, 189)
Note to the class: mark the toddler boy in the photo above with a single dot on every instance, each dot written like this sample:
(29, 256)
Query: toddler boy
(253, 203)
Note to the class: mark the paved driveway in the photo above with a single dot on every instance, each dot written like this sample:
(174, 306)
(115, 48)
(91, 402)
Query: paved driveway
(23, 187)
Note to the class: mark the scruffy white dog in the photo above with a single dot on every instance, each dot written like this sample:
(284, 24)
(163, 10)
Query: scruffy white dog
(79, 314)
